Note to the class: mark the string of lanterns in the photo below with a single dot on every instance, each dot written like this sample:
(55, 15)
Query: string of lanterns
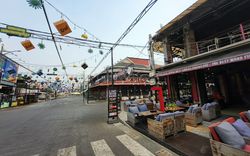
(62, 27)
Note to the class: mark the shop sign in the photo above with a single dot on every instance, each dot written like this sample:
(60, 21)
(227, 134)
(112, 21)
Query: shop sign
(62, 27)
(219, 62)
(9, 71)
(27, 44)
(15, 31)
(1, 66)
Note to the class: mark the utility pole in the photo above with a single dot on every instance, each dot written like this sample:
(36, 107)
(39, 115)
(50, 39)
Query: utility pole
(2, 48)
(112, 69)
(152, 61)
(83, 85)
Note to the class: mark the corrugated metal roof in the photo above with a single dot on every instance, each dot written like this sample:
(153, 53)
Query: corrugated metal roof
(183, 14)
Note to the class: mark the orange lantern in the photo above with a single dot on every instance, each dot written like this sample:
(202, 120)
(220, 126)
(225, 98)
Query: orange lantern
(57, 78)
(27, 45)
(71, 78)
(62, 27)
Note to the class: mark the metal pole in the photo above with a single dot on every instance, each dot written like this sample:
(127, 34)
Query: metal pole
(151, 56)
(88, 90)
(2, 48)
(112, 69)
(83, 87)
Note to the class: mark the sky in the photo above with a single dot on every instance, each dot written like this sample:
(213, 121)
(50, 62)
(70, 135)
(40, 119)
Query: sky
(106, 19)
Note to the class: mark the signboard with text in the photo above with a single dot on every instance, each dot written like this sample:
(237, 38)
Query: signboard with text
(214, 63)
(15, 31)
(112, 105)
(9, 72)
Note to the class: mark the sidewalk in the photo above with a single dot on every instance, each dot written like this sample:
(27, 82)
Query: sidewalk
(179, 143)
(150, 144)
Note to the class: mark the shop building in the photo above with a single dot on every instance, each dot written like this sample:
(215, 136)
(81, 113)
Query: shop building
(207, 53)
(130, 79)
(8, 80)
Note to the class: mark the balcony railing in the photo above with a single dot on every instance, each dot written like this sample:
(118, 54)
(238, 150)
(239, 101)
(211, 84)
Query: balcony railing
(232, 35)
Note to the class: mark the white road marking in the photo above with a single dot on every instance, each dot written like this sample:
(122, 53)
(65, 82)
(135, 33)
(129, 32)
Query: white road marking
(70, 151)
(133, 146)
(101, 148)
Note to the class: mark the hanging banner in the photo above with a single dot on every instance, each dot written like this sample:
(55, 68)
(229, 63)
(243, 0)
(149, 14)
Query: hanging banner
(9, 72)
(1, 65)
(15, 31)
(27, 44)
(62, 27)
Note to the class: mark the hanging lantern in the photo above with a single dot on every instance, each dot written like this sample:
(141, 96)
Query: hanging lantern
(27, 44)
(41, 45)
(57, 78)
(101, 52)
(39, 72)
(54, 69)
(70, 78)
(37, 4)
(90, 50)
(74, 66)
(62, 27)
(84, 66)
(76, 80)
(85, 36)
(63, 67)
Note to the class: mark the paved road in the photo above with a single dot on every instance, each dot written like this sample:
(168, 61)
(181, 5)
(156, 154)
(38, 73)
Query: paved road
(66, 127)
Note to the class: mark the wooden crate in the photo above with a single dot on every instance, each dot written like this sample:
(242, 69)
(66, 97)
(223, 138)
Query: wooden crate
(180, 124)
(150, 106)
(221, 149)
(161, 129)
(193, 119)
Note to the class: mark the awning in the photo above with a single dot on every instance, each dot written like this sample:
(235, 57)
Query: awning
(208, 62)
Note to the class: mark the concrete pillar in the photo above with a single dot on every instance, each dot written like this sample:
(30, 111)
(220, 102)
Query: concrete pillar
(167, 50)
(189, 42)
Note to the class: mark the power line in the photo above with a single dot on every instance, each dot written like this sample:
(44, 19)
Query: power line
(137, 19)
(71, 20)
(47, 19)
(21, 65)
(74, 40)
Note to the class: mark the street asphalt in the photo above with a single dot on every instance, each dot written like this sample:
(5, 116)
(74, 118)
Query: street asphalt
(56, 127)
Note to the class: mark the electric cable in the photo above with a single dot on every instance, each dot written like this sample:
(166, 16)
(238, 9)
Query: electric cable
(137, 19)
(47, 19)
(71, 20)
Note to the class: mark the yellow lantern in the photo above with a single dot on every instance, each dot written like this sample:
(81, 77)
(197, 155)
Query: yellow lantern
(57, 78)
(74, 66)
(85, 36)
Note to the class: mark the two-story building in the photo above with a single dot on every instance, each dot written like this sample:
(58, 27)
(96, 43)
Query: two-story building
(211, 40)
(130, 79)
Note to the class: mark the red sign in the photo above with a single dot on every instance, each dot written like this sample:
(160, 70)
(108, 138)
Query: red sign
(228, 60)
